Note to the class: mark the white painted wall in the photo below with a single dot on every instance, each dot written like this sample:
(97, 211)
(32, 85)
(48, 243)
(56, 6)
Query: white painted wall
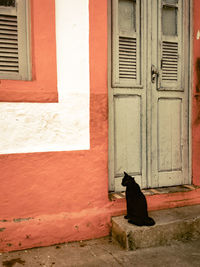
(63, 126)
(72, 29)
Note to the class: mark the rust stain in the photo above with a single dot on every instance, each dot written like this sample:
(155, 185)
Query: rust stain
(198, 75)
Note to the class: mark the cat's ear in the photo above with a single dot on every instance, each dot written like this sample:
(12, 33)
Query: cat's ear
(125, 173)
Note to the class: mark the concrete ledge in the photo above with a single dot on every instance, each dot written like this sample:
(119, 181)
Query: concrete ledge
(172, 224)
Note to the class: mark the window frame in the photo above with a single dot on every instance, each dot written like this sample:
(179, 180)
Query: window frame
(23, 41)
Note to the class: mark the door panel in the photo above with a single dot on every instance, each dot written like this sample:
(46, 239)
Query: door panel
(128, 145)
(169, 134)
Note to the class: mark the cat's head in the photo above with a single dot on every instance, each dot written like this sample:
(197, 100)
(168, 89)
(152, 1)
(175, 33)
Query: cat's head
(127, 179)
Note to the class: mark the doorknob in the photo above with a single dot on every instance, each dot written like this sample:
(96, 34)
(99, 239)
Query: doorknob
(154, 73)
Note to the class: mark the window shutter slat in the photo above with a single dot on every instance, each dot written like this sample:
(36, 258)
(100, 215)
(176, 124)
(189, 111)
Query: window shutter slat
(9, 41)
(8, 45)
(8, 36)
(11, 20)
(12, 63)
(9, 68)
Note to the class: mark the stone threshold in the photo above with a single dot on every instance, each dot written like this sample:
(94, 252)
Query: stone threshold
(177, 224)
(156, 191)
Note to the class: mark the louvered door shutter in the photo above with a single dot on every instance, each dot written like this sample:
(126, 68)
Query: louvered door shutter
(125, 43)
(14, 40)
(171, 51)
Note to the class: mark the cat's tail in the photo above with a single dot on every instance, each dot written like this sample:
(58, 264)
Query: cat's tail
(149, 221)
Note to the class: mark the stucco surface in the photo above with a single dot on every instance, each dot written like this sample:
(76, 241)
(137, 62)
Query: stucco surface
(196, 96)
(35, 127)
(70, 188)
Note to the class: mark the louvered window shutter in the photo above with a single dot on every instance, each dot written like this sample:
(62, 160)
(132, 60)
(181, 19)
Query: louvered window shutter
(14, 40)
(171, 45)
(125, 43)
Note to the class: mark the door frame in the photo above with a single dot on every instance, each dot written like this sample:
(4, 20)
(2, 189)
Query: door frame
(190, 85)
(111, 178)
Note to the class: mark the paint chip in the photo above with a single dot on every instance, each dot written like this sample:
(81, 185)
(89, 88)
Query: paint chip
(191, 187)
(198, 35)
(154, 191)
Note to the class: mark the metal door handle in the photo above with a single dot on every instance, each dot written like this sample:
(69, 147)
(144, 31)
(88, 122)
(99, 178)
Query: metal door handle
(154, 73)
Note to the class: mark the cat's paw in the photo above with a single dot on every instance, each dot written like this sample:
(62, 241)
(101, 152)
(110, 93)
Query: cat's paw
(149, 221)
(126, 217)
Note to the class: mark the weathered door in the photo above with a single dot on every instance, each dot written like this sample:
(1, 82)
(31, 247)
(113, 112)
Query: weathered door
(148, 92)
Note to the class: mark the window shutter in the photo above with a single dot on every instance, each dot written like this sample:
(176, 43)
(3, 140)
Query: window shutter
(170, 61)
(171, 45)
(125, 43)
(14, 40)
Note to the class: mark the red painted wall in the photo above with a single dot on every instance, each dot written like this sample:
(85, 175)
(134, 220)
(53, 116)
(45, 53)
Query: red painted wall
(49, 198)
(43, 87)
(196, 97)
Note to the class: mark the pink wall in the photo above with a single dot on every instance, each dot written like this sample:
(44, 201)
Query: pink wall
(196, 97)
(49, 198)
(61, 196)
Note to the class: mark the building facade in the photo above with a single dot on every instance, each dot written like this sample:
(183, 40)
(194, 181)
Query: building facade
(90, 89)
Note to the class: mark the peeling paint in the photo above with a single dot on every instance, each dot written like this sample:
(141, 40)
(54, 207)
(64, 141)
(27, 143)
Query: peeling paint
(198, 35)
(198, 75)
(22, 219)
(76, 227)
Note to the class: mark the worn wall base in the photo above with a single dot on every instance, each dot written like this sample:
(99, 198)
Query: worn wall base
(22, 233)
(45, 230)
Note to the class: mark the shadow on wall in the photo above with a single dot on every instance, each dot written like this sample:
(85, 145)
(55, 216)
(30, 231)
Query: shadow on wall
(197, 93)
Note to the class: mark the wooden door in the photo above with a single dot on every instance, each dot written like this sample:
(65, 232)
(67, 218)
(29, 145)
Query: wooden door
(148, 93)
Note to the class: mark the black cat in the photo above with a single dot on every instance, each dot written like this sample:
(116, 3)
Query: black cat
(136, 203)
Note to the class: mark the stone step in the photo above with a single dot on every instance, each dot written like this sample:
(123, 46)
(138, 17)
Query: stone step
(179, 224)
